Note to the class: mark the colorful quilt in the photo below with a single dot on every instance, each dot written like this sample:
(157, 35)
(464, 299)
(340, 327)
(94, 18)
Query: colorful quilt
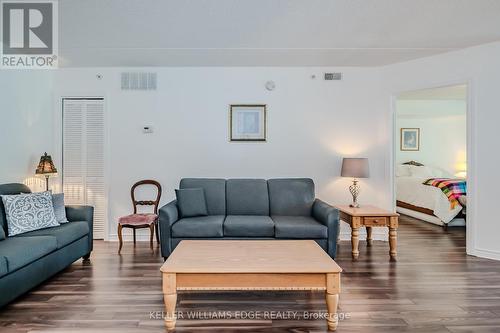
(452, 188)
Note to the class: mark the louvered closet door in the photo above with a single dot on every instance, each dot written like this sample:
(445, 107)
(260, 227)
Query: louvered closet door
(83, 157)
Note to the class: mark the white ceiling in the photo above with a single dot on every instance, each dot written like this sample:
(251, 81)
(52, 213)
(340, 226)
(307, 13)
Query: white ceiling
(269, 32)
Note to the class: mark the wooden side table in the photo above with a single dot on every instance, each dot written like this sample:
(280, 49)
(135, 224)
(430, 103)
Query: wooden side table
(369, 217)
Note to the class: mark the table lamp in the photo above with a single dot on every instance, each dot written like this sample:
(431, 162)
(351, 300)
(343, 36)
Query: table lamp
(355, 168)
(46, 168)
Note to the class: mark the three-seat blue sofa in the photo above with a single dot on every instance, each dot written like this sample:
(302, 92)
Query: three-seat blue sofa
(28, 259)
(252, 209)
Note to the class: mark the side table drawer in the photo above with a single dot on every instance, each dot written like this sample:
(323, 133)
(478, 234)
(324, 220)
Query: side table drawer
(375, 221)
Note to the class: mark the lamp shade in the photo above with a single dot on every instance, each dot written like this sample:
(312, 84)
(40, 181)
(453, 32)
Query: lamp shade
(355, 168)
(46, 166)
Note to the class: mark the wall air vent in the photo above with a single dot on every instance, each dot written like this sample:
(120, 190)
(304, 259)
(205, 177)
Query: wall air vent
(139, 81)
(333, 76)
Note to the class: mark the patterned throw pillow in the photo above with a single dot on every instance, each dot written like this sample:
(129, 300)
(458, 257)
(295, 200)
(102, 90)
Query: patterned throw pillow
(28, 212)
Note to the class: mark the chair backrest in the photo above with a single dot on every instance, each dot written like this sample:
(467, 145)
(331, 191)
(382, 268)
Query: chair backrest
(154, 203)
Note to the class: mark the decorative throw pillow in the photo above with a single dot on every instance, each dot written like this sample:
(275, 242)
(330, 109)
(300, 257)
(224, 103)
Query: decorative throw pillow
(420, 171)
(28, 212)
(59, 208)
(191, 202)
(403, 170)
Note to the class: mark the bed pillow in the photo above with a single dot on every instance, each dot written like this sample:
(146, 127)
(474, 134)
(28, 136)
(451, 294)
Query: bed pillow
(191, 202)
(420, 171)
(59, 208)
(402, 170)
(28, 212)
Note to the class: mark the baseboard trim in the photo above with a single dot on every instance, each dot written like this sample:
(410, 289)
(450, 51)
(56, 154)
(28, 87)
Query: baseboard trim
(487, 254)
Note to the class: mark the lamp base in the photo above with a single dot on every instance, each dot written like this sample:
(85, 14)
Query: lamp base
(354, 189)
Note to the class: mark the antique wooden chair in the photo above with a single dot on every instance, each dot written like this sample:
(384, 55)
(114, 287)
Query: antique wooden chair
(141, 220)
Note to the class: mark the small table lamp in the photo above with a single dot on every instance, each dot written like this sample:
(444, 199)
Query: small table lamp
(46, 168)
(355, 168)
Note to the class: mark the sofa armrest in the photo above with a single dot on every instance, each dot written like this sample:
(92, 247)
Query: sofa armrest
(169, 214)
(328, 216)
(82, 213)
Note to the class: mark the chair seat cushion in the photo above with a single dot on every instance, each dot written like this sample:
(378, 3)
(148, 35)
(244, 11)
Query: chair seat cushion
(200, 226)
(65, 233)
(299, 227)
(138, 219)
(248, 226)
(21, 251)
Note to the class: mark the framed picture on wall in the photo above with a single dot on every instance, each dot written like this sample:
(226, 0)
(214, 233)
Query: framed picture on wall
(247, 122)
(410, 139)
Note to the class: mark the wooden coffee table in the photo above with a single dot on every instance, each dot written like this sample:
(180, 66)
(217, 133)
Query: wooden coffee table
(250, 265)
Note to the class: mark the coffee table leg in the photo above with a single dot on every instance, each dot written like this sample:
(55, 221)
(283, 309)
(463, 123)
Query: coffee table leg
(170, 299)
(368, 236)
(355, 242)
(332, 302)
(393, 242)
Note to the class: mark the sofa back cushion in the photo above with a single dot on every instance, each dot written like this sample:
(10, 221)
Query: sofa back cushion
(9, 189)
(215, 192)
(247, 197)
(291, 196)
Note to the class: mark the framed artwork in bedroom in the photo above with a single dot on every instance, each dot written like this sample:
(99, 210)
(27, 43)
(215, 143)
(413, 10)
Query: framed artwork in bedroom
(247, 122)
(410, 139)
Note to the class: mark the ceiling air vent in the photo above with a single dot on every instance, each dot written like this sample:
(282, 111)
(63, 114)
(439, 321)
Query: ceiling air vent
(139, 81)
(333, 76)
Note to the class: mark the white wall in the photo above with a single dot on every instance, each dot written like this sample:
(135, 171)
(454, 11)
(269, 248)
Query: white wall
(480, 67)
(312, 124)
(26, 122)
(443, 132)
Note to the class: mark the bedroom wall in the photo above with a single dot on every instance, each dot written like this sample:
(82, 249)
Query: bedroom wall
(479, 66)
(312, 124)
(443, 132)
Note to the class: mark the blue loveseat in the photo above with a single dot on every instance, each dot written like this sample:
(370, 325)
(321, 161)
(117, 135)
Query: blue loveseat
(252, 209)
(28, 259)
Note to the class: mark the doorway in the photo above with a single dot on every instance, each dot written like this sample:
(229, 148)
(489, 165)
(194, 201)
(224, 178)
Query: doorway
(430, 155)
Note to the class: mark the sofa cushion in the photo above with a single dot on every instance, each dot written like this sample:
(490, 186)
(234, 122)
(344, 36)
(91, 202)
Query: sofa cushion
(248, 226)
(215, 192)
(9, 189)
(191, 202)
(21, 251)
(65, 233)
(292, 196)
(247, 197)
(299, 227)
(59, 208)
(28, 212)
(200, 226)
(3, 266)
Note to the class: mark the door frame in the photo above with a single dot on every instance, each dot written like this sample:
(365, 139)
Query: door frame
(470, 150)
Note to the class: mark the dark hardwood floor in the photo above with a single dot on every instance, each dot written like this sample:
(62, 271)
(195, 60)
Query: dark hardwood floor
(433, 287)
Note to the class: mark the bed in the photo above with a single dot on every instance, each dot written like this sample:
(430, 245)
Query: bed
(425, 202)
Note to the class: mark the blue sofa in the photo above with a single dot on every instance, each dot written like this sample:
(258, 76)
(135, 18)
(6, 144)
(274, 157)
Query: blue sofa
(252, 209)
(28, 259)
